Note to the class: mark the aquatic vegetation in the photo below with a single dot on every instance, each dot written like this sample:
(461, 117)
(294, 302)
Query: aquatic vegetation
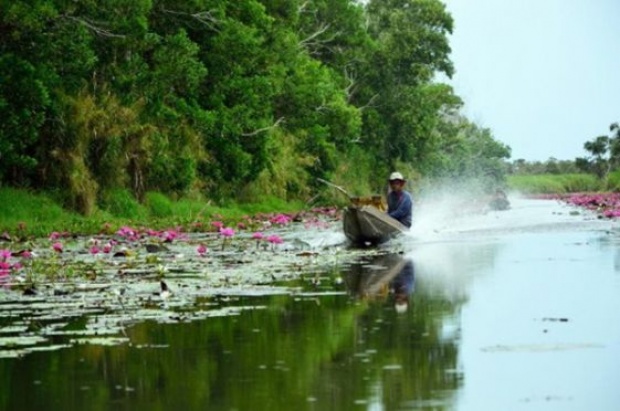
(227, 234)
(126, 275)
(604, 204)
(274, 239)
(258, 237)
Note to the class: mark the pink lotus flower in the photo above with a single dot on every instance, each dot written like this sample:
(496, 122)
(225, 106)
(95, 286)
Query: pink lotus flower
(258, 236)
(94, 250)
(126, 231)
(169, 236)
(107, 248)
(217, 224)
(202, 249)
(54, 236)
(274, 239)
(227, 232)
(57, 246)
(5, 255)
(281, 219)
(26, 254)
(5, 268)
(152, 233)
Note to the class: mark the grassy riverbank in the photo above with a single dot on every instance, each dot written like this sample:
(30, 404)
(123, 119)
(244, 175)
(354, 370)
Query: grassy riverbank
(555, 183)
(29, 214)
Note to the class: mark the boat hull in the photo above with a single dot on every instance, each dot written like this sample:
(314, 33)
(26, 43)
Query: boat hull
(367, 225)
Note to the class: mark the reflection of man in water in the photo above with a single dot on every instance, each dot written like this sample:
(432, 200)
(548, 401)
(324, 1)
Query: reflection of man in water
(402, 286)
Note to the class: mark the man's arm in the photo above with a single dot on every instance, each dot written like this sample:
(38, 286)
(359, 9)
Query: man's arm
(403, 209)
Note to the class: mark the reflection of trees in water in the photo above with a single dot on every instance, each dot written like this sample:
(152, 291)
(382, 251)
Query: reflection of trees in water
(332, 349)
(413, 360)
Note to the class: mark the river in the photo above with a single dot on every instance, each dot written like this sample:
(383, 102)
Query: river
(510, 310)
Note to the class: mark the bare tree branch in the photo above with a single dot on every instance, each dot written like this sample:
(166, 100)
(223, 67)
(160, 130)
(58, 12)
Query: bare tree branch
(264, 129)
(93, 27)
(348, 90)
(314, 35)
(370, 103)
(302, 7)
(203, 17)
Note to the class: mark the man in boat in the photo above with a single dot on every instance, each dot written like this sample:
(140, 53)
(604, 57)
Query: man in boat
(402, 287)
(400, 202)
(499, 201)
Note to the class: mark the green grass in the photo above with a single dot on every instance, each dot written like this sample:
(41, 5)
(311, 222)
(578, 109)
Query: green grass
(27, 214)
(554, 183)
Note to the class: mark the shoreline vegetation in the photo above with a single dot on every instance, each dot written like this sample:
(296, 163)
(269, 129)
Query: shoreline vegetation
(26, 214)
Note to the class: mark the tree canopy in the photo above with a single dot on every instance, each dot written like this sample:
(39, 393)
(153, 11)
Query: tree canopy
(214, 95)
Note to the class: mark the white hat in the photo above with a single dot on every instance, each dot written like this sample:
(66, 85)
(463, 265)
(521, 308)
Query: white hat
(396, 176)
(401, 307)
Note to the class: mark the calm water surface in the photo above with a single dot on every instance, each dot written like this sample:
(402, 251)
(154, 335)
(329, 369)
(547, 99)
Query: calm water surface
(506, 311)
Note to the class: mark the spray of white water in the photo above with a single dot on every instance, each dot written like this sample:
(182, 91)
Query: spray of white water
(454, 231)
(446, 213)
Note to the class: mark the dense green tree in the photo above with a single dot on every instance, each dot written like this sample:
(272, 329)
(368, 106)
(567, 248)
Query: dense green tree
(400, 104)
(210, 94)
(604, 153)
(469, 152)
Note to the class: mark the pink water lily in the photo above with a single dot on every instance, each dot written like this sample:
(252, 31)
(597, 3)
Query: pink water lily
(169, 236)
(258, 236)
(57, 246)
(606, 204)
(26, 254)
(227, 232)
(281, 219)
(5, 255)
(126, 231)
(275, 239)
(202, 249)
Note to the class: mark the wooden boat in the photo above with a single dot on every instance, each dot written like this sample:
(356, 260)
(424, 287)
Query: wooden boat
(371, 278)
(367, 225)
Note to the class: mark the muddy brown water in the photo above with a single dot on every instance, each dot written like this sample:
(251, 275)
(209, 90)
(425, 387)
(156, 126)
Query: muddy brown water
(499, 311)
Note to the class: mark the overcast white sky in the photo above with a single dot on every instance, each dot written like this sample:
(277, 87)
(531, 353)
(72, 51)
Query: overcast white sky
(543, 75)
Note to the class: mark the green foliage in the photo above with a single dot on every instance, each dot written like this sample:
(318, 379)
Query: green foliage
(550, 166)
(613, 181)
(235, 100)
(285, 177)
(23, 101)
(122, 204)
(18, 206)
(554, 183)
(468, 152)
(158, 205)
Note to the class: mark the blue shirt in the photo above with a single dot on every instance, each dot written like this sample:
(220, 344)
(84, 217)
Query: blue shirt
(400, 206)
(404, 281)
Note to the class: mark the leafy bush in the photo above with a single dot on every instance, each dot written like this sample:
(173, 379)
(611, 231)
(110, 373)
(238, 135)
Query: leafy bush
(158, 205)
(120, 203)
